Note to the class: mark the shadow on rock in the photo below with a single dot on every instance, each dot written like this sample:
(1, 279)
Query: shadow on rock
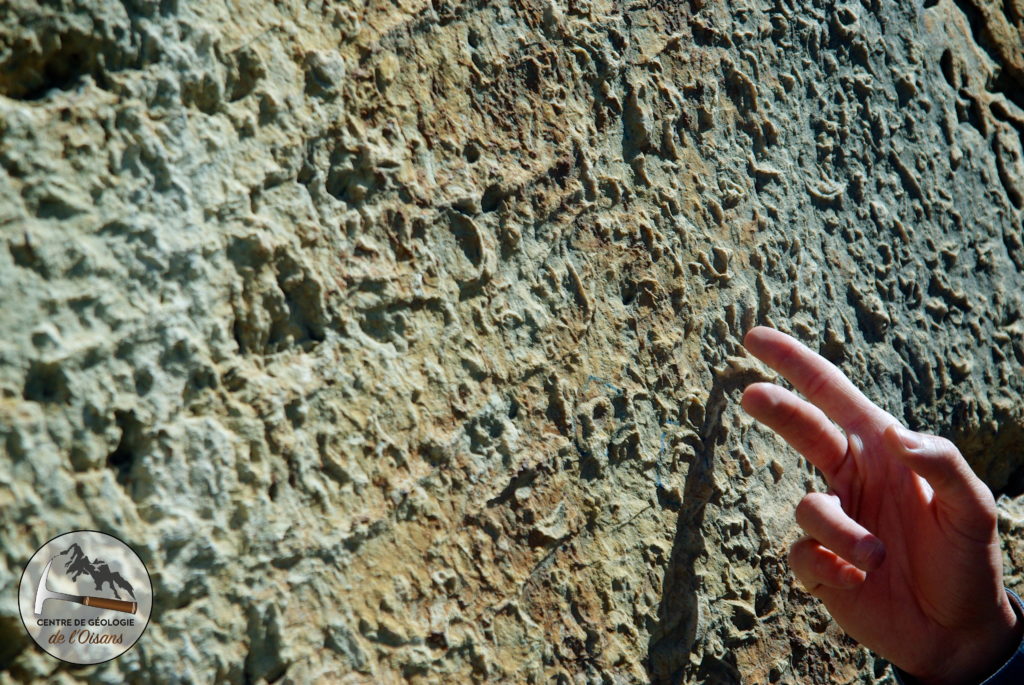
(674, 638)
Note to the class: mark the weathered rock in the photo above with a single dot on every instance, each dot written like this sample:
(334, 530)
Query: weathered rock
(402, 339)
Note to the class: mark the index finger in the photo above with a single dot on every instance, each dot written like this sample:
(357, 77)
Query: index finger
(815, 377)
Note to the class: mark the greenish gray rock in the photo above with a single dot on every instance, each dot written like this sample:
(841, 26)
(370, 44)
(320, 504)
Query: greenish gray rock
(402, 339)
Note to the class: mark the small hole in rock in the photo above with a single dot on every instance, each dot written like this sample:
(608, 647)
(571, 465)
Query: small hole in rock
(46, 383)
(132, 445)
(492, 198)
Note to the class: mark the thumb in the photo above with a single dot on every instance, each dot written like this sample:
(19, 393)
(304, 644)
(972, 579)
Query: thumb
(965, 500)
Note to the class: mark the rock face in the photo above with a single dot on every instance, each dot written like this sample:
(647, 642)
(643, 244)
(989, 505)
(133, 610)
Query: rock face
(402, 339)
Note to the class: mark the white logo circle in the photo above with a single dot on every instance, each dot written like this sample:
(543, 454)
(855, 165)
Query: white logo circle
(85, 597)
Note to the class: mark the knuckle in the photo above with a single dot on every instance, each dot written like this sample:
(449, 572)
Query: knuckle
(812, 437)
(788, 414)
(945, 447)
(821, 379)
(988, 513)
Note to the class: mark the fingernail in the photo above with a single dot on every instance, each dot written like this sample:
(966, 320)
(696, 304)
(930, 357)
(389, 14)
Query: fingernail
(909, 440)
(870, 553)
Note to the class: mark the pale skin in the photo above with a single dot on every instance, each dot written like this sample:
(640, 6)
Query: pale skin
(903, 550)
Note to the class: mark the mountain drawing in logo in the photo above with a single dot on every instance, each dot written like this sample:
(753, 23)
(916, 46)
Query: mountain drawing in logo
(78, 564)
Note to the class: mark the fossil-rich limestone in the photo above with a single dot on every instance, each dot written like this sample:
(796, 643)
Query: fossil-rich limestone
(402, 338)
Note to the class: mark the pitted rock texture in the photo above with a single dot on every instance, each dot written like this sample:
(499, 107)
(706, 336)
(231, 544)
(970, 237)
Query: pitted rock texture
(402, 339)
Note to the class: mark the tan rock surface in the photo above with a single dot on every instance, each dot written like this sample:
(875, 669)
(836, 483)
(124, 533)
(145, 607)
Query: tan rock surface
(402, 339)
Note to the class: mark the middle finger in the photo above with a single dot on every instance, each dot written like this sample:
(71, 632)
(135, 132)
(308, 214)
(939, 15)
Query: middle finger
(799, 423)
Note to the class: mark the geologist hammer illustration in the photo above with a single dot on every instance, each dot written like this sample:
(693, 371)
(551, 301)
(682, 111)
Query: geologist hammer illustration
(43, 593)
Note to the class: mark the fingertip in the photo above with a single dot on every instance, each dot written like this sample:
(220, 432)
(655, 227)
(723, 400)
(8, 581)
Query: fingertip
(755, 335)
(754, 396)
(821, 516)
(818, 567)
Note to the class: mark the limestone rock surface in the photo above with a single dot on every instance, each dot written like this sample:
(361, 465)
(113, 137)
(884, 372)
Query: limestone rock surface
(402, 339)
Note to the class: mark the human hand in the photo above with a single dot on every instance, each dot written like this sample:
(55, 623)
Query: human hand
(903, 550)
